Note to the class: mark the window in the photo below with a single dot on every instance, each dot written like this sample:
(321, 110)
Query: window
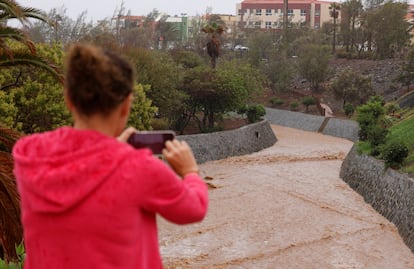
(303, 12)
(290, 12)
(317, 13)
(258, 12)
(239, 12)
(258, 24)
(268, 12)
(317, 26)
(268, 25)
(276, 11)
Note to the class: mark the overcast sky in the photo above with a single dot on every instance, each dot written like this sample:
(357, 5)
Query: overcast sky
(100, 9)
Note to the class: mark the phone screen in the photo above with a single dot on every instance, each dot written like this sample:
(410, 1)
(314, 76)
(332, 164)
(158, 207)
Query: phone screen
(153, 140)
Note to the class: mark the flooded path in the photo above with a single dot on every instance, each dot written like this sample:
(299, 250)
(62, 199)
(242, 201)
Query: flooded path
(285, 207)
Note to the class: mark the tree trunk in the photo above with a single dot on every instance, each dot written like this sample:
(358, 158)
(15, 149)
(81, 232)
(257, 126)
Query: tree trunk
(211, 120)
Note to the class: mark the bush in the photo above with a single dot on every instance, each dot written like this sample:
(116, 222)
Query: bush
(391, 108)
(308, 101)
(275, 101)
(349, 109)
(255, 113)
(294, 106)
(394, 153)
(369, 116)
(160, 124)
(376, 135)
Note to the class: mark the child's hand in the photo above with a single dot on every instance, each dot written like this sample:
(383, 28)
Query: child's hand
(180, 157)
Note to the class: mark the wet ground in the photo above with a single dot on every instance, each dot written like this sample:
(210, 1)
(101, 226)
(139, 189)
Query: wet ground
(285, 207)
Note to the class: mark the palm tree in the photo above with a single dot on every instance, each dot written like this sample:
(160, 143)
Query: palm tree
(11, 229)
(334, 13)
(9, 9)
(11, 232)
(214, 30)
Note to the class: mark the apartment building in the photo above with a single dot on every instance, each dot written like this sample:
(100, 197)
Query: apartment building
(268, 14)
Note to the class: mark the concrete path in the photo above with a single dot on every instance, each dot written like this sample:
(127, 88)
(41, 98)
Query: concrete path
(285, 207)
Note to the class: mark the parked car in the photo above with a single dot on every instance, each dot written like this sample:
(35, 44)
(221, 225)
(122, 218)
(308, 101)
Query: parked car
(240, 47)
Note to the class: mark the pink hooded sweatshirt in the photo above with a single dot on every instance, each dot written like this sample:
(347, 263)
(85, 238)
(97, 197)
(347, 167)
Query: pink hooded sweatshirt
(89, 201)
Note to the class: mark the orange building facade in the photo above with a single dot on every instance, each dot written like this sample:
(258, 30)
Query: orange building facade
(268, 14)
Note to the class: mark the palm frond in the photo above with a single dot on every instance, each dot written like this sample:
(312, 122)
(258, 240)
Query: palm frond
(12, 10)
(8, 137)
(25, 58)
(11, 233)
(18, 35)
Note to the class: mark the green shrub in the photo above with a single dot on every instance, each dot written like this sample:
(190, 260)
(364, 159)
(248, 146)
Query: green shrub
(275, 101)
(370, 116)
(160, 124)
(349, 109)
(308, 101)
(255, 113)
(394, 153)
(294, 106)
(376, 135)
(391, 108)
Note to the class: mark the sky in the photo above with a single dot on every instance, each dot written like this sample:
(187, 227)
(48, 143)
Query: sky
(100, 9)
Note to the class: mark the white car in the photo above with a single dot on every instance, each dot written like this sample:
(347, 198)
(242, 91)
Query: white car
(240, 47)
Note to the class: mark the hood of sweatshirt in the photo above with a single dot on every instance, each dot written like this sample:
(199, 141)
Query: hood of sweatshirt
(56, 170)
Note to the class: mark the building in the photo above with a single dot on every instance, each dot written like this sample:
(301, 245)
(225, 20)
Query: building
(268, 14)
(129, 22)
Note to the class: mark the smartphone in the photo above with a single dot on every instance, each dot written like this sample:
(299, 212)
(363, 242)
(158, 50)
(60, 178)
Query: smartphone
(153, 140)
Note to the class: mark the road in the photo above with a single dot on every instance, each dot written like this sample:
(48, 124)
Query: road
(285, 207)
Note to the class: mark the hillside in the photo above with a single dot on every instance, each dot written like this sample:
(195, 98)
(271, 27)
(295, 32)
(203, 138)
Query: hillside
(383, 73)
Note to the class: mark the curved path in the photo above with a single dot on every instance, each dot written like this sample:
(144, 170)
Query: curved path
(285, 207)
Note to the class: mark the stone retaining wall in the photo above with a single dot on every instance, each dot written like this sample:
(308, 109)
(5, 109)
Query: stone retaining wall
(347, 129)
(219, 145)
(297, 120)
(407, 100)
(389, 192)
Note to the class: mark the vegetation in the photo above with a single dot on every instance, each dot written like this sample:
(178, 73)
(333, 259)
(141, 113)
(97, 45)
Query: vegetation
(313, 64)
(351, 87)
(402, 134)
(308, 101)
(17, 263)
(254, 113)
(276, 101)
(294, 106)
(15, 50)
(214, 29)
(371, 119)
(387, 136)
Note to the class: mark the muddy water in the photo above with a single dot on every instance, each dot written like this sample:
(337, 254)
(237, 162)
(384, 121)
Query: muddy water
(285, 207)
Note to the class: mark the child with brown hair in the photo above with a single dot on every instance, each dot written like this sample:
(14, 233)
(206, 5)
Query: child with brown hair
(88, 199)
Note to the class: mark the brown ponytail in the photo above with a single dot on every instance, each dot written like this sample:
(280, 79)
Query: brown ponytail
(97, 80)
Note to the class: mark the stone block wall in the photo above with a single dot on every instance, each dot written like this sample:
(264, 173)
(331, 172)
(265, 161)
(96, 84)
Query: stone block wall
(219, 145)
(389, 192)
(347, 129)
